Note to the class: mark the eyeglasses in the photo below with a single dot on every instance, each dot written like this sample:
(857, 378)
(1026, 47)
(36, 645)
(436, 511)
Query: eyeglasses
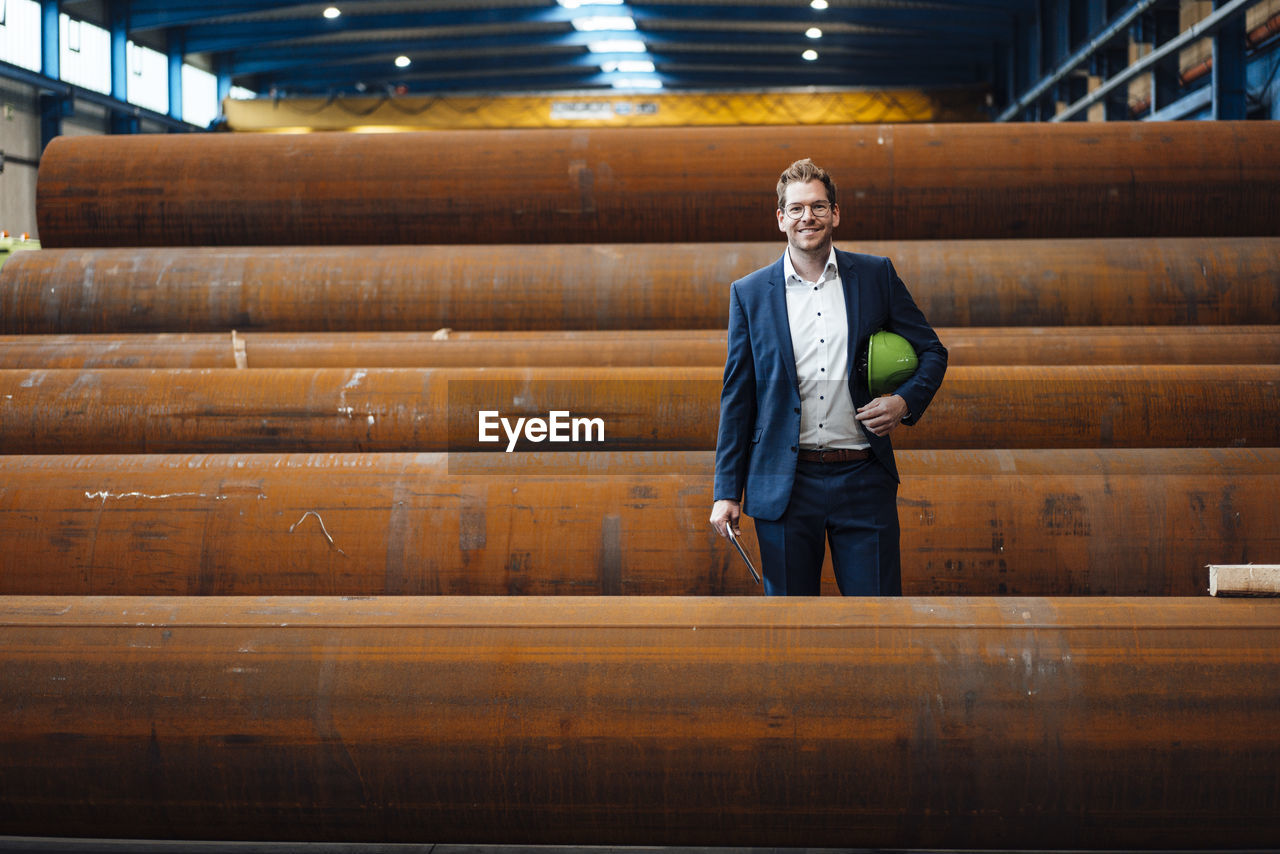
(819, 210)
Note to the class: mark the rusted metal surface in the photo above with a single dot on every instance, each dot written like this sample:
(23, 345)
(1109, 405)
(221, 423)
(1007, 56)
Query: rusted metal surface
(1047, 522)
(1182, 281)
(1042, 345)
(613, 409)
(353, 409)
(931, 723)
(451, 349)
(1109, 345)
(656, 184)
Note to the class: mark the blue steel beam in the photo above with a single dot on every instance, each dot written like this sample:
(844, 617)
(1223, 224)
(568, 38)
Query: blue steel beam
(943, 22)
(55, 103)
(681, 76)
(157, 14)
(729, 63)
(1115, 29)
(673, 70)
(67, 94)
(551, 78)
(224, 81)
(50, 12)
(1229, 69)
(1205, 27)
(122, 121)
(119, 33)
(175, 55)
(968, 33)
(263, 61)
(671, 74)
(163, 14)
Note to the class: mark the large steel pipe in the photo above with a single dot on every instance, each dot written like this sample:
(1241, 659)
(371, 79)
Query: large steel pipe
(1061, 345)
(673, 286)
(1048, 522)
(1025, 724)
(619, 409)
(656, 184)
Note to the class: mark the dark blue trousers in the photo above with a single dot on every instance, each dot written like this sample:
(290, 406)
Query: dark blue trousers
(853, 504)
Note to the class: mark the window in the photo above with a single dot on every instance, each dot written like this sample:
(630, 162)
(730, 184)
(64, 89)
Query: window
(199, 96)
(20, 33)
(85, 54)
(147, 80)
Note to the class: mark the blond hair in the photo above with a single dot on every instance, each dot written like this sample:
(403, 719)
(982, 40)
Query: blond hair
(802, 172)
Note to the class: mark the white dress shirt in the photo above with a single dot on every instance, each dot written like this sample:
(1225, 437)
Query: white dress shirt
(820, 339)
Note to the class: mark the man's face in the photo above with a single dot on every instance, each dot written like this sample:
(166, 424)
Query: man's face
(808, 233)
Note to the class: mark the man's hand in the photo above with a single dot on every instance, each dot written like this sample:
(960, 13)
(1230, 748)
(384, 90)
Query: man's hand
(883, 414)
(725, 512)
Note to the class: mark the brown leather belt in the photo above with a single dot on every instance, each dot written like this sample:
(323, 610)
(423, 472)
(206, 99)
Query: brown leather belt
(835, 455)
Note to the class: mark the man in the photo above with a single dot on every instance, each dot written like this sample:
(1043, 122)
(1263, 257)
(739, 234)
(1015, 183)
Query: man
(801, 441)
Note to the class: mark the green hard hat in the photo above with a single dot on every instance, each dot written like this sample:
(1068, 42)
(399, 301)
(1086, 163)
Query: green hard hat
(9, 245)
(890, 362)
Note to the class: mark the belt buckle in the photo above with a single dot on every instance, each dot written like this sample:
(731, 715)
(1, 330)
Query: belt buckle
(822, 455)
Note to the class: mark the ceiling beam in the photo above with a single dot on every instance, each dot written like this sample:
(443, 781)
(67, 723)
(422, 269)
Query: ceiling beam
(902, 49)
(234, 36)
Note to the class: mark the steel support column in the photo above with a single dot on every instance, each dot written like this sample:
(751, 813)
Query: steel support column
(54, 107)
(1229, 68)
(176, 53)
(50, 23)
(1165, 85)
(122, 121)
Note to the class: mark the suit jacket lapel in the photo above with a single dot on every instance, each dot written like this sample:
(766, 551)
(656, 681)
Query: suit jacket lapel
(781, 325)
(852, 305)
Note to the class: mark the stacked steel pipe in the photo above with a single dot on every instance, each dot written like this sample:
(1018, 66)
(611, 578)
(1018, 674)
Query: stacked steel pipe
(233, 411)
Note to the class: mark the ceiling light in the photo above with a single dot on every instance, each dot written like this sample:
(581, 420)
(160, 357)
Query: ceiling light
(332, 12)
(813, 33)
(818, 4)
(628, 66)
(403, 62)
(604, 22)
(574, 4)
(810, 55)
(617, 46)
(637, 83)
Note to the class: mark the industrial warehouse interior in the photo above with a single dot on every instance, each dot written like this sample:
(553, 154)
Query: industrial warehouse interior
(425, 426)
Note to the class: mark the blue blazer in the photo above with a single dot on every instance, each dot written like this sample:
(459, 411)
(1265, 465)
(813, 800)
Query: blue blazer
(759, 434)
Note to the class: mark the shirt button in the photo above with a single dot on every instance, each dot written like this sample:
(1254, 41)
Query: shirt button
(797, 410)
(822, 341)
(793, 449)
(820, 397)
(824, 370)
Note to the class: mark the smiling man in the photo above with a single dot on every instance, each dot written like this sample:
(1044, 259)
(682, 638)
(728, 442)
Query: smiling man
(803, 448)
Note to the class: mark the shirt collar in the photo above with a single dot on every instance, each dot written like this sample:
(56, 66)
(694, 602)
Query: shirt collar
(792, 277)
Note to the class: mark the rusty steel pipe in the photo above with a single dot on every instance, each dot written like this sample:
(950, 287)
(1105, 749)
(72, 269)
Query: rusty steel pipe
(931, 723)
(657, 184)
(613, 409)
(1046, 522)
(1012, 345)
(452, 349)
(1184, 281)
